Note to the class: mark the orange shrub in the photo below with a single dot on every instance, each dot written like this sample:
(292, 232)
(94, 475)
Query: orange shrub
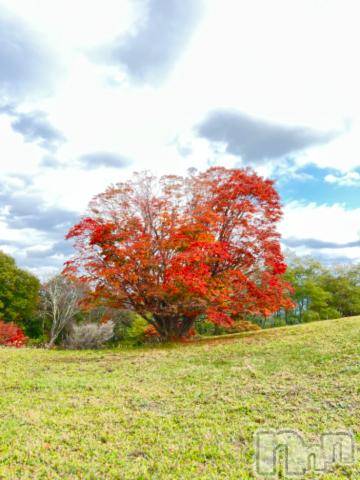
(243, 326)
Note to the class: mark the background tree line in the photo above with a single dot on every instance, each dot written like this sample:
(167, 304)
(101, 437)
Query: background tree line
(50, 312)
(319, 292)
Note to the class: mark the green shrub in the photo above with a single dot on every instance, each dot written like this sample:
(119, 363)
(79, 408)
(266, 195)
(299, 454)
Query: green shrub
(311, 316)
(123, 320)
(206, 328)
(331, 313)
(39, 342)
(135, 333)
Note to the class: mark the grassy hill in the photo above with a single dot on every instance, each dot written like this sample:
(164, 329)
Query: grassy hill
(186, 412)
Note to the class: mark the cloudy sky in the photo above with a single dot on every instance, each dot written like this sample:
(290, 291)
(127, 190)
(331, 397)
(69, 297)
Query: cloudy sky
(91, 91)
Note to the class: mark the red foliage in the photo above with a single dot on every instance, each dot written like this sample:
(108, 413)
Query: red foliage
(177, 248)
(11, 335)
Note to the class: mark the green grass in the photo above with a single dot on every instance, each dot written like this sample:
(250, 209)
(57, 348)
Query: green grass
(186, 412)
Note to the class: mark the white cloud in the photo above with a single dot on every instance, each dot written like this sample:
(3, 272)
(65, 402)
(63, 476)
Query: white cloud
(77, 24)
(279, 61)
(349, 179)
(342, 154)
(321, 222)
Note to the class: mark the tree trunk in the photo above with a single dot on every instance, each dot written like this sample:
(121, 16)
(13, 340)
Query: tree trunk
(173, 329)
(51, 343)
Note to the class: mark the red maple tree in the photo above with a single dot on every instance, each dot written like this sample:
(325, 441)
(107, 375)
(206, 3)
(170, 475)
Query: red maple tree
(177, 248)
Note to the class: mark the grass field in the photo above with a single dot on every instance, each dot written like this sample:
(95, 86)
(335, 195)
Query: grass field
(185, 412)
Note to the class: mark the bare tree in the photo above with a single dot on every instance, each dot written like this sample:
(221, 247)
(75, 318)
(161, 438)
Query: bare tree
(60, 303)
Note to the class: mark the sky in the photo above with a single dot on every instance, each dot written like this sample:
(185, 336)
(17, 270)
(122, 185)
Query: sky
(92, 91)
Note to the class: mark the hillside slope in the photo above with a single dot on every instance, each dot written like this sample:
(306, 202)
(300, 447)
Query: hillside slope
(169, 413)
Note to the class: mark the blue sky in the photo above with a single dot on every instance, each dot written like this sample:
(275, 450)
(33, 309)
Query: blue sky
(311, 184)
(91, 91)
